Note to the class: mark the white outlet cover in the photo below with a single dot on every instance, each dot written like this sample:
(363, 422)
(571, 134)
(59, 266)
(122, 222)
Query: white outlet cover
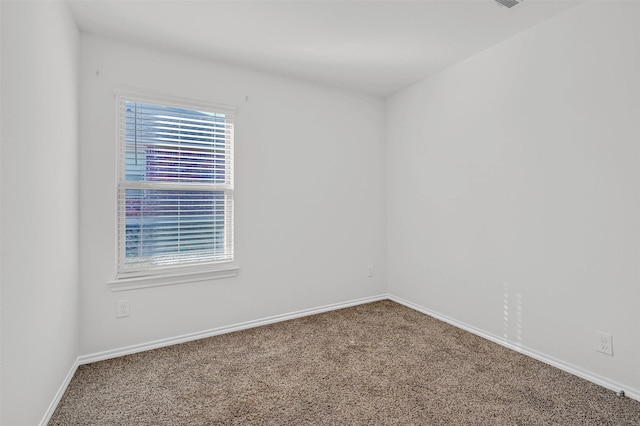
(123, 308)
(603, 342)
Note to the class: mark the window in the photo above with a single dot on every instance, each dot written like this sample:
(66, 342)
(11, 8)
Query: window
(175, 186)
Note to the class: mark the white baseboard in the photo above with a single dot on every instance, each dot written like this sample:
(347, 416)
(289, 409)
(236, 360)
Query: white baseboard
(56, 400)
(569, 368)
(114, 353)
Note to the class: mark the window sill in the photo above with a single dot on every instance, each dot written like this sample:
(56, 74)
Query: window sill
(134, 283)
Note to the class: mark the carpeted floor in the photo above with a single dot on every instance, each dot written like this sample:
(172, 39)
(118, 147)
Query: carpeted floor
(377, 364)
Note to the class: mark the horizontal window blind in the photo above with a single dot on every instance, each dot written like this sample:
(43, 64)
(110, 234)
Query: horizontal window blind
(175, 185)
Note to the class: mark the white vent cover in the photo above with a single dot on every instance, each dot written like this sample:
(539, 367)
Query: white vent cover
(509, 3)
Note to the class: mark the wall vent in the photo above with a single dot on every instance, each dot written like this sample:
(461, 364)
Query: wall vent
(509, 3)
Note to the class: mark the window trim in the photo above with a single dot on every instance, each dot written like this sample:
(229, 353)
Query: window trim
(224, 270)
(171, 274)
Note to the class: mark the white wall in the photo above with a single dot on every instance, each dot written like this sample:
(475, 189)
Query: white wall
(512, 182)
(514, 185)
(39, 172)
(310, 196)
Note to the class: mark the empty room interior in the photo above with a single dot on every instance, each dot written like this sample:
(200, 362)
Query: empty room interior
(475, 164)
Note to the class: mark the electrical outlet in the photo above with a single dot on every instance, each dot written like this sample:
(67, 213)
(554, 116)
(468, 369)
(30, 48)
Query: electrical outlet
(123, 308)
(603, 342)
(370, 271)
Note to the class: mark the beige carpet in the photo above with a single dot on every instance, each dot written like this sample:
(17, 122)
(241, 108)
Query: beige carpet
(375, 364)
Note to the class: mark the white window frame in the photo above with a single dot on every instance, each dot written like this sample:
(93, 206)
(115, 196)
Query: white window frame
(177, 273)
